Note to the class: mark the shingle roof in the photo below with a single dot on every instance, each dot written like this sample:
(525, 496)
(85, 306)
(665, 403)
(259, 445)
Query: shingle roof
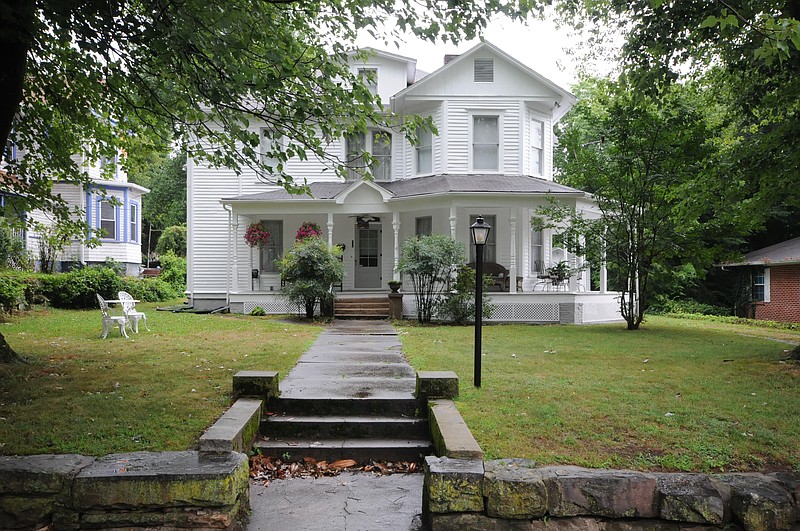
(787, 252)
(429, 185)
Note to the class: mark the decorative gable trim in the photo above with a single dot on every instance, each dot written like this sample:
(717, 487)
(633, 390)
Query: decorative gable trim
(385, 194)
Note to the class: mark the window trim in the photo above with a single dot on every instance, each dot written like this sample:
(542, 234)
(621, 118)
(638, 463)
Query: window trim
(485, 114)
(111, 235)
(419, 149)
(537, 149)
(540, 246)
(369, 147)
(133, 221)
(765, 284)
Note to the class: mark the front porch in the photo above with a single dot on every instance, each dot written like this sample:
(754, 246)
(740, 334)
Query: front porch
(551, 307)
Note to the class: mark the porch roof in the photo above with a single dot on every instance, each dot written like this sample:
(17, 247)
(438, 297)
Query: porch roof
(425, 186)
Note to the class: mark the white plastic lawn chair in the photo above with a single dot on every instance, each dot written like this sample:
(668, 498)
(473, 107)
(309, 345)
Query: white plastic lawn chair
(131, 314)
(109, 320)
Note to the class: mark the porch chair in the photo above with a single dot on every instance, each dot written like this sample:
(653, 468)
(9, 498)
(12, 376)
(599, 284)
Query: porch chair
(111, 320)
(131, 314)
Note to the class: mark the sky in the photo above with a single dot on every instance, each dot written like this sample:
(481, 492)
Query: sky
(539, 45)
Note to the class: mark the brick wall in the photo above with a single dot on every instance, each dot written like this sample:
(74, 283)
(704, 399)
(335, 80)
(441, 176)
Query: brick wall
(784, 302)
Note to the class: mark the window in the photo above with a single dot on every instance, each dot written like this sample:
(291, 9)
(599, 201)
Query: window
(379, 145)
(537, 251)
(759, 285)
(424, 150)
(108, 220)
(483, 70)
(424, 226)
(485, 143)
(490, 249)
(270, 142)
(273, 250)
(537, 147)
(382, 155)
(369, 76)
(134, 223)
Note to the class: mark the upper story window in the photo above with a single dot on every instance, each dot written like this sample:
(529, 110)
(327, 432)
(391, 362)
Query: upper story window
(424, 151)
(108, 220)
(483, 70)
(273, 250)
(134, 223)
(486, 143)
(369, 76)
(379, 145)
(270, 142)
(537, 147)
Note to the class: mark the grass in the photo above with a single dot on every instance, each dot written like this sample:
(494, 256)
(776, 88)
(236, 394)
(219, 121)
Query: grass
(158, 390)
(677, 395)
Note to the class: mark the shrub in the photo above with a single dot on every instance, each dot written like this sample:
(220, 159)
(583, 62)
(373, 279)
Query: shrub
(458, 305)
(12, 293)
(150, 289)
(258, 311)
(663, 305)
(310, 268)
(429, 261)
(172, 239)
(13, 254)
(173, 270)
(78, 288)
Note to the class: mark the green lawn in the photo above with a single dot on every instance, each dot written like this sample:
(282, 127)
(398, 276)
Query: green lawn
(676, 395)
(157, 391)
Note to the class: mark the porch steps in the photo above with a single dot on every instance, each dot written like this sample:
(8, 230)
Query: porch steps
(361, 308)
(352, 428)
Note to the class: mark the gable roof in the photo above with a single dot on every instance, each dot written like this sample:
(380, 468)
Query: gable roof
(561, 108)
(432, 185)
(783, 253)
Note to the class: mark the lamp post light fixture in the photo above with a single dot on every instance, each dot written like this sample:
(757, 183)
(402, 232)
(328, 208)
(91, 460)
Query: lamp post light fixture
(480, 234)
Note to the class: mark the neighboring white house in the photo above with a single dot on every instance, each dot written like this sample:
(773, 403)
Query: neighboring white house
(492, 157)
(114, 217)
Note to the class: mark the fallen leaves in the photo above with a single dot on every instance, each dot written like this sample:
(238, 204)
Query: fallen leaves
(267, 468)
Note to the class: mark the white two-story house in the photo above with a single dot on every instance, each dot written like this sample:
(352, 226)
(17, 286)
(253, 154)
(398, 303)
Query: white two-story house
(492, 157)
(113, 213)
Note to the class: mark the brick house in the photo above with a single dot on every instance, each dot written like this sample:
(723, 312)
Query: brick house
(775, 281)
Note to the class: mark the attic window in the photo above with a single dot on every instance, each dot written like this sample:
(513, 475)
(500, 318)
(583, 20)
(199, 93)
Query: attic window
(484, 70)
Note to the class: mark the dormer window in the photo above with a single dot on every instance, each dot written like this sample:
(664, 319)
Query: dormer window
(484, 70)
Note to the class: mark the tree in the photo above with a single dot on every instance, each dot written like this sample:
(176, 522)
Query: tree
(310, 268)
(172, 239)
(90, 77)
(645, 161)
(747, 52)
(430, 261)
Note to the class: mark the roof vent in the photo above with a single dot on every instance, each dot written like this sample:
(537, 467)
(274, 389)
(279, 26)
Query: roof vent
(484, 70)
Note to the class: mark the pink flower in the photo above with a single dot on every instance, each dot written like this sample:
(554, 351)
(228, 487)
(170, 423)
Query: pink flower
(308, 230)
(256, 235)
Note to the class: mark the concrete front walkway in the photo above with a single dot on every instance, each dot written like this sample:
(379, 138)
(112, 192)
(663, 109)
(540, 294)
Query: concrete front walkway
(352, 359)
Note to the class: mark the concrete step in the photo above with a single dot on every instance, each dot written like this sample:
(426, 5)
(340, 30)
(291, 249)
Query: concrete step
(362, 300)
(404, 407)
(361, 450)
(327, 427)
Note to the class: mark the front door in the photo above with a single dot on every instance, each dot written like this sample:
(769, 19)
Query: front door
(368, 257)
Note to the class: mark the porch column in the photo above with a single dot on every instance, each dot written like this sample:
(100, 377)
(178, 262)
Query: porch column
(512, 260)
(453, 220)
(603, 270)
(396, 229)
(330, 229)
(235, 261)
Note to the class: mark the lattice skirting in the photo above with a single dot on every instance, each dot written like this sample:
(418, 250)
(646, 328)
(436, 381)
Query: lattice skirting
(530, 312)
(271, 306)
(522, 312)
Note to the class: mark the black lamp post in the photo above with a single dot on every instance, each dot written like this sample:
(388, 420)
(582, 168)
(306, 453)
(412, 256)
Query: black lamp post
(480, 234)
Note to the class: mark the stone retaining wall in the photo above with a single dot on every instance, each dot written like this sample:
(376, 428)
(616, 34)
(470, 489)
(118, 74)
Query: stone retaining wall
(167, 490)
(463, 494)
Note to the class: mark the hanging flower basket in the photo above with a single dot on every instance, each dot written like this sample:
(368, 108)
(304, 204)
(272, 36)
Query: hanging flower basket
(256, 235)
(308, 230)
